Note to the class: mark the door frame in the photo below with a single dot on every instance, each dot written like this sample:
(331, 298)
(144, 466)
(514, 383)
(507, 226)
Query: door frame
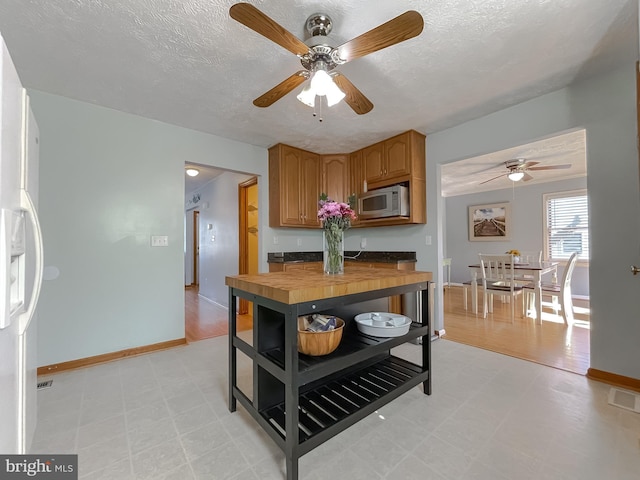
(196, 248)
(243, 249)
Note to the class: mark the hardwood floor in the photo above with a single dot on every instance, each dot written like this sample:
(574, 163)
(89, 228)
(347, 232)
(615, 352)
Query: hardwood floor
(204, 319)
(553, 343)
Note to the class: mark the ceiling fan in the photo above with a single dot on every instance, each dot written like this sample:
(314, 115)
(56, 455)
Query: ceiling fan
(519, 168)
(319, 59)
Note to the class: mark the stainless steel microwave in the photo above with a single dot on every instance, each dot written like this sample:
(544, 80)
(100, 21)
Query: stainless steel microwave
(384, 202)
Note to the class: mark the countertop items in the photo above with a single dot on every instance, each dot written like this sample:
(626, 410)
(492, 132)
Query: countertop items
(352, 256)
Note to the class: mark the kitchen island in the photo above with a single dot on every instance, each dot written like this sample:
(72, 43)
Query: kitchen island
(302, 401)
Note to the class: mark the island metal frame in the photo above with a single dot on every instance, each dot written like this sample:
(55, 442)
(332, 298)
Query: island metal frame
(321, 396)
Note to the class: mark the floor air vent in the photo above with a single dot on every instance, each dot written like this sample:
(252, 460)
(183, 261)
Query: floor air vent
(624, 399)
(45, 384)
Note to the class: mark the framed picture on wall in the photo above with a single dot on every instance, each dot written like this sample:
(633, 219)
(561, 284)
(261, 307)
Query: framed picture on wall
(490, 222)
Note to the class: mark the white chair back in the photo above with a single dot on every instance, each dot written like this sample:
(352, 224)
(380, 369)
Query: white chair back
(496, 268)
(498, 278)
(568, 272)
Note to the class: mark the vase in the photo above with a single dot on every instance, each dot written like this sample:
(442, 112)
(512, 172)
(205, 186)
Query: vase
(333, 250)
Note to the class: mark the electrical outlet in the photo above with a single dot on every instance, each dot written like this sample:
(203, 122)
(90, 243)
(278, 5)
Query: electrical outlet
(299, 242)
(427, 240)
(275, 240)
(363, 243)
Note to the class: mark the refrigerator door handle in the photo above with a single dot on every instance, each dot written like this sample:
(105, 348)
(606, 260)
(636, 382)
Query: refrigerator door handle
(29, 208)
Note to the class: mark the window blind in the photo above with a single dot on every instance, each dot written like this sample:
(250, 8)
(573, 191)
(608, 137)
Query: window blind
(567, 225)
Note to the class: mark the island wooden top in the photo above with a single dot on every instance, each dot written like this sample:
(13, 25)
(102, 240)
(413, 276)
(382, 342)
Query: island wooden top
(307, 285)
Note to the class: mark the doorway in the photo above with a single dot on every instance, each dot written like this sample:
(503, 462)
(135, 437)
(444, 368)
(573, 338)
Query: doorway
(558, 166)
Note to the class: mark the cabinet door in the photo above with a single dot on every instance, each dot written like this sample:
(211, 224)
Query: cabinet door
(290, 173)
(356, 174)
(335, 177)
(397, 158)
(309, 186)
(373, 162)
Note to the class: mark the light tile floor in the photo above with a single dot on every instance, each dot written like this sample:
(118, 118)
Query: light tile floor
(164, 416)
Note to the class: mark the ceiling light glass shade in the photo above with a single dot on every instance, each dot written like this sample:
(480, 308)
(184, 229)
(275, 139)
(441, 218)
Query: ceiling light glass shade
(334, 94)
(192, 172)
(515, 176)
(321, 82)
(307, 96)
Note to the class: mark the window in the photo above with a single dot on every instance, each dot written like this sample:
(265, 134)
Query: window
(566, 228)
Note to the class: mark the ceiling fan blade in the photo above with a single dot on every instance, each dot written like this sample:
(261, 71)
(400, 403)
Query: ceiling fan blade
(526, 177)
(488, 168)
(354, 97)
(529, 164)
(552, 167)
(494, 178)
(251, 17)
(396, 30)
(280, 90)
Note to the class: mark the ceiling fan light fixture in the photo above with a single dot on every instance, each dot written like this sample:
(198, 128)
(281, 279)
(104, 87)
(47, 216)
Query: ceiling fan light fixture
(192, 172)
(322, 85)
(515, 176)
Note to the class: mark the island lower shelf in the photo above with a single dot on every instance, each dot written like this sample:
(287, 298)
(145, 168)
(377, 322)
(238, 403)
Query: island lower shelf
(329, 407)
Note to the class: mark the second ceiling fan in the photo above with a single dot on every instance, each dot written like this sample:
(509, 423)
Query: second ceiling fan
(518, 169)
(319, 59)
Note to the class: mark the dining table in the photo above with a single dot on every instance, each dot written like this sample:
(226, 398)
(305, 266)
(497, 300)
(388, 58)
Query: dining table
(534, 270)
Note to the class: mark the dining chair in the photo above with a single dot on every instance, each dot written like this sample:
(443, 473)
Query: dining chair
(498, 278)
(560, 291)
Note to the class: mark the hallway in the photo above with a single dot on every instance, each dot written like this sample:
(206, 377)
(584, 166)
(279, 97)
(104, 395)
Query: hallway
(204, 319)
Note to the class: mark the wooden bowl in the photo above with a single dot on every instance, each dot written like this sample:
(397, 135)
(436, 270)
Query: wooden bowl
(319, 343)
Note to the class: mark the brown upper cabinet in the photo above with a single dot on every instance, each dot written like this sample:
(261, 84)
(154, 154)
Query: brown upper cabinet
(297, 177)
(294, 188)
(335, 177)
(394, 160)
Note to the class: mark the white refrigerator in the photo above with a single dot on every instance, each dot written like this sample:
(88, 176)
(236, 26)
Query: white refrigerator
(20, 261)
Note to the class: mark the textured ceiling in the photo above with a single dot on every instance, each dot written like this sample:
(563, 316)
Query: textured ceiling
(186, 62)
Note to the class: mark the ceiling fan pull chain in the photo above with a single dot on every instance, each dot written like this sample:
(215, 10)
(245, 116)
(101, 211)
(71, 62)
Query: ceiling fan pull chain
(319, 102)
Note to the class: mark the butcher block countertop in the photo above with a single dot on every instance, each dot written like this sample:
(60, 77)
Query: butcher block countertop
(305, 286)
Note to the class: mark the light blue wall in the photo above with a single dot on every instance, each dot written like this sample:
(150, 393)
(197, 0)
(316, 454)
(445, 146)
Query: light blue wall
(108, 181)
(219, 250)
(605, 106)
(527, 227)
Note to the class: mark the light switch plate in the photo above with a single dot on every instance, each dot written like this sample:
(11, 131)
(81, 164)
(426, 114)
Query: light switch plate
(159, 241)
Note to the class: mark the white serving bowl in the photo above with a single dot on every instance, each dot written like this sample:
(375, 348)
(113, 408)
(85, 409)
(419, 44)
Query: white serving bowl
(383, 324)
